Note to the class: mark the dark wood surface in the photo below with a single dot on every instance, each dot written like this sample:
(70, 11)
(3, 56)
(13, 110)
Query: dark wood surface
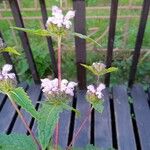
(125, 134)
(142, 115)
(49, 39)
(124, 119)
(24, 39)
(111, 37)
(103, 132)
(80, 44)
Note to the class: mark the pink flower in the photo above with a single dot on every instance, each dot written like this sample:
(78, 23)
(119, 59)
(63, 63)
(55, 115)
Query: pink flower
(91, 88)
(59, 19)
(70, 14)
(4, 74)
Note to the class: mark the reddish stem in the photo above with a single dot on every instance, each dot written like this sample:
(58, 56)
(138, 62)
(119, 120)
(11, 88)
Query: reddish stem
(59, 87)
(80, 128)
(26, 125)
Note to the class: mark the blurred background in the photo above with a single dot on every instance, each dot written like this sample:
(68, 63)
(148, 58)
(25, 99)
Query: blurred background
(97, 25)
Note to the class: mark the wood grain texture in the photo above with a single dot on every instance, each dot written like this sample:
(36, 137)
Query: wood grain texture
(142, 115)
(84, 107)
(103, 131)
(125, 134)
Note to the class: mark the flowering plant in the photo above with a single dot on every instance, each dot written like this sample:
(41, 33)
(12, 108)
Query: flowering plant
(58, 93)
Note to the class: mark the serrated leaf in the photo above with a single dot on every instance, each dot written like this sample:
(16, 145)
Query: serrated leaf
(98, 106)
(40, 32)
(49, 115)
(100, 73)
(90, 68)
(10, 50)
(85, 37)
(21, 98)
(16, 142)
(67, 107)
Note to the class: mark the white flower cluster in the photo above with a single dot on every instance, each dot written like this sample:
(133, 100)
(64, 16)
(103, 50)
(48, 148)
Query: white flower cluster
(59, 19)
(98, 66)
(50, 87)
(97, 91)
(4, 73)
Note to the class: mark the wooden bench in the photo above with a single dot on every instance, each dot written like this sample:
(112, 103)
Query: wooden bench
(125, 122)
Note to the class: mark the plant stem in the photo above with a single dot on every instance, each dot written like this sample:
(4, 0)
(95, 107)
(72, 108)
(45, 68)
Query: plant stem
(59, 87)
(80, 128)
(26, 124)
(59, 62)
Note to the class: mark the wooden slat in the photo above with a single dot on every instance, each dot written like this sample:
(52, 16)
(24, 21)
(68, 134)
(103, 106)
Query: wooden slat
(80, 44)
(9, 60)
(103, 132)
(7, 113)
(64, 128)
(34, 92)
(125, 134)
(111, 37)
(2, 100)
(49, 39)
(142, 115)
(84, 107)
(24, 39)
(139, 41)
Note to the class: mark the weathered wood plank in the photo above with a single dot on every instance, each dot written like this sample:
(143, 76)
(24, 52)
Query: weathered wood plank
(7, 113)
(84, 108)
(142, 115)
(33, 92)
(103, 132)
(64, 128)
(124, 127)
(2, 100)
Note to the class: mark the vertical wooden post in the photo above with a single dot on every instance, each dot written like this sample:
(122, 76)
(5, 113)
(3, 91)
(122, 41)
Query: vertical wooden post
(80, 44)
(111, 37)
(139, 40)
(24, 39)
(49, 39)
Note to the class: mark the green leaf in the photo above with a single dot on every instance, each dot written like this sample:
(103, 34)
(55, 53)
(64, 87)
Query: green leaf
(85, 37)
(90, 68)
(67, 107)
(98, 106)
(16, 142)
(10, 50)
(100, 73)
(49, 115)
(21, 98)
(40, 32)
(91, 147)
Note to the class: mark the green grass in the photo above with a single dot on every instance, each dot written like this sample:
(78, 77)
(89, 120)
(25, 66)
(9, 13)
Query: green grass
(40, 50)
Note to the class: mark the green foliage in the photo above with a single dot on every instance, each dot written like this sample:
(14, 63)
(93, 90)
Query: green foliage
(39, 32)
(16, 142)
(99, 73)
(85, 37)
(49, 115)
(98, 106)
(10, 50)
(21, 98)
